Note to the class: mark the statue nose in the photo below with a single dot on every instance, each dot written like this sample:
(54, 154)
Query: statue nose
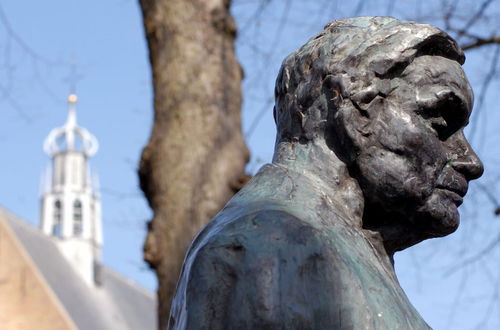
(472, 167)
(466, 161)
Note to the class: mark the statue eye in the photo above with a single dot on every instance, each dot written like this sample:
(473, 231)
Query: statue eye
(441, 127)
(446, 116)
(439, 119)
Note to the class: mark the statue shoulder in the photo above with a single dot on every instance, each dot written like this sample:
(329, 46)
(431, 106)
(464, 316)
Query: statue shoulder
(246, 241)
(272, 227)
(249, 270)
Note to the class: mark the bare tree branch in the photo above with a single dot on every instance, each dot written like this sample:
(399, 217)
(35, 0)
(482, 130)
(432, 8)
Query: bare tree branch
(359, 7)
(478, 42)
(10, 30)
(478, 15)
(258, 117)
(484, 89)
(476, 257)
(390, 7)
(449, 11)
(490, 196)
(258, 13)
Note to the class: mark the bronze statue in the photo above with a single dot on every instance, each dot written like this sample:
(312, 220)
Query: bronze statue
(370, 159)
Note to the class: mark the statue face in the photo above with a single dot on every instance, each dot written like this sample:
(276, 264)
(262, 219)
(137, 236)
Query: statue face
(414, 164)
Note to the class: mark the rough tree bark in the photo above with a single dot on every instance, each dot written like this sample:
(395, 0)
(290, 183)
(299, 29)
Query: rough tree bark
(196, 155)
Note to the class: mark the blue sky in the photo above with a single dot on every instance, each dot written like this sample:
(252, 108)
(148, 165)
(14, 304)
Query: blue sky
(104, 40)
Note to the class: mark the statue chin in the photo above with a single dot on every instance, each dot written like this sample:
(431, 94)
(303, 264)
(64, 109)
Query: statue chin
(438, 216)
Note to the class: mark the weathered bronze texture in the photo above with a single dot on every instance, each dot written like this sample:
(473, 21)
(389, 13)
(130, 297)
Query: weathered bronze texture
(370, 159)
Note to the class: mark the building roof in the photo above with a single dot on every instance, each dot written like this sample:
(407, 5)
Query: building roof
(117, 303)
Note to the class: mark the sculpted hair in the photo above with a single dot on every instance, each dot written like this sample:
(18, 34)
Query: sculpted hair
(347, 65)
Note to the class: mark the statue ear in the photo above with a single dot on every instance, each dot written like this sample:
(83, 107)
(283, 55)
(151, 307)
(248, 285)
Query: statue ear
(353, 128)
(333, 89)
(363, 100)
(341, 133)
(364, 108)
(350, 117)
(338, 98)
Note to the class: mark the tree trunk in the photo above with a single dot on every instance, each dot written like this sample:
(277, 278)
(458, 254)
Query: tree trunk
(196, 154)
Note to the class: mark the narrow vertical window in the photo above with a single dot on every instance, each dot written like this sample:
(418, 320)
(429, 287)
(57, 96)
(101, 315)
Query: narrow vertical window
(56, 226)
(76, 171)
(77, 218)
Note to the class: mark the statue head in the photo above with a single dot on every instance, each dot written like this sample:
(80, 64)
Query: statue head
(390, 99)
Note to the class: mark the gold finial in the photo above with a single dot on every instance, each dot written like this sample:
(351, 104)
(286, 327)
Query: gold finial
(72, 98)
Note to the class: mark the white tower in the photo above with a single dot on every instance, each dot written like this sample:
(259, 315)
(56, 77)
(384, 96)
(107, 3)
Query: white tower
(71, 207)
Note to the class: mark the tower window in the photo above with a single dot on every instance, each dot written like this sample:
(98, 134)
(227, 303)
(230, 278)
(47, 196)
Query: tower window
(77, 218)
(56, 226)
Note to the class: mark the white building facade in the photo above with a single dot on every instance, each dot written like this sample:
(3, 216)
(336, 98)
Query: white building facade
(70, 202)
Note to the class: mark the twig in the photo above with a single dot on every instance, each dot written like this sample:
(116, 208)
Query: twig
(477, 15)
(359, 7)
(476, 257)
(5, 22)
(390, 7)
(484, 89)
(488, 194)
(478, 42)
(258, 117)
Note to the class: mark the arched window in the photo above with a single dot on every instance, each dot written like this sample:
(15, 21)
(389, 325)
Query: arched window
(56, 226)
(77, 218)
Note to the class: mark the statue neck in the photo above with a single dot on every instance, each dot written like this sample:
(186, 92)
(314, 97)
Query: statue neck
(326, 175)
(320, 174)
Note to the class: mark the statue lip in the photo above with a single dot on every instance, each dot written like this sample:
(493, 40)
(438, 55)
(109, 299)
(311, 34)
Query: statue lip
(455, 194)
(456, 184)
(461, 191)
(455, 197)
(456, 189)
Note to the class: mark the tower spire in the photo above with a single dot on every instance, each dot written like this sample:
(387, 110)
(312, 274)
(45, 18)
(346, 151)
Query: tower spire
(71, 121)
(70, 136)
(71, 207)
